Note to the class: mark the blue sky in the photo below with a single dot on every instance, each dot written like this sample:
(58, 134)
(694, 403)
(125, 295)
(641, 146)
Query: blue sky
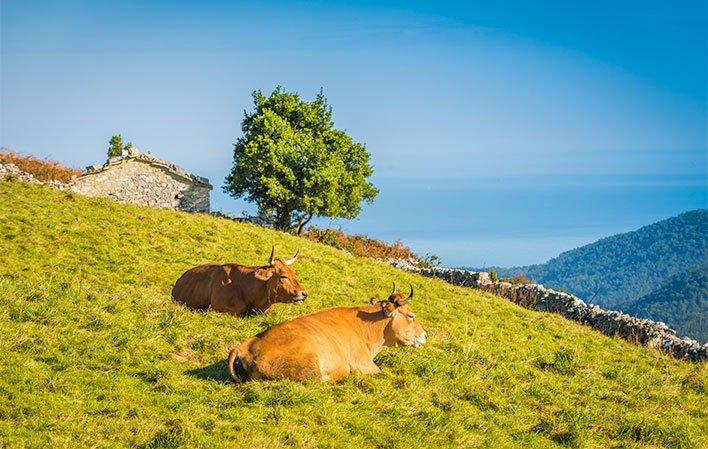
(501, 132)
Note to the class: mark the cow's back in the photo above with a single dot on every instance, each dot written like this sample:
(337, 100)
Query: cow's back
(320, 344)
(194, 287)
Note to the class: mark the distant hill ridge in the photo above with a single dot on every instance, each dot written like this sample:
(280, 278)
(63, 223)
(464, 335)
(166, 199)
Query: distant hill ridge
(615, 272)
(681, 300)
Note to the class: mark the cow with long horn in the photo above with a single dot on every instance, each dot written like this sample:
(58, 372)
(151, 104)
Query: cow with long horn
(239, 289)
(329, 344)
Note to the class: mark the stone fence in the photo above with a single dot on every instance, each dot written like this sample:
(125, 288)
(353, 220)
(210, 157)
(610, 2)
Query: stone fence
(537, 297)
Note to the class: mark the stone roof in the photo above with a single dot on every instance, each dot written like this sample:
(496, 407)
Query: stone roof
(134, 155)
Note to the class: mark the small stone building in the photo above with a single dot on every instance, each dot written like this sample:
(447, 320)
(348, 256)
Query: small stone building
(146, 180)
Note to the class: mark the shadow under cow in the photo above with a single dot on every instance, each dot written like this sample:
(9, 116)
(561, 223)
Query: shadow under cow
(216, 372)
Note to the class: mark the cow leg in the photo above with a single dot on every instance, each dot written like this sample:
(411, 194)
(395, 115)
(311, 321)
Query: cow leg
(362, 362)
(366, 367)
(334, 374)
(237, 309)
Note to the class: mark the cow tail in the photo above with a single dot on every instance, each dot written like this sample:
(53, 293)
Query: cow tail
(237, 369)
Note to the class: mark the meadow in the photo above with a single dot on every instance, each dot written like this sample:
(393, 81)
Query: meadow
(94, 353)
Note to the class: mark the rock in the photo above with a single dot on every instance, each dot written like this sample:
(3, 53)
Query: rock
(130, 152)
(12, 172)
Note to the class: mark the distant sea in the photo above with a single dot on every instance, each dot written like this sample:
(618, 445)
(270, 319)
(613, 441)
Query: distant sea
(508, 221)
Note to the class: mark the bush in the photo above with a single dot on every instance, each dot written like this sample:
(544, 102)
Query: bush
(361, 245)
(115, 146)
(42, 169)
(429, 261)
(493, 276)
(517, 279)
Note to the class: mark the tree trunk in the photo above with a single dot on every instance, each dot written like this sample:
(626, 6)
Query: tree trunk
(283, 220)
(302, 224)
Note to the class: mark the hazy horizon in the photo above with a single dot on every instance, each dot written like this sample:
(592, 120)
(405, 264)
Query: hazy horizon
(521, 221)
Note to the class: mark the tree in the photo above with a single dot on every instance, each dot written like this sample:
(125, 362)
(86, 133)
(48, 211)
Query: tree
(295, 165)
(115, 146)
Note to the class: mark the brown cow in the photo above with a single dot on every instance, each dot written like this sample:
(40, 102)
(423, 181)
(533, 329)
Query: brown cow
(329, 344)
(238, 289)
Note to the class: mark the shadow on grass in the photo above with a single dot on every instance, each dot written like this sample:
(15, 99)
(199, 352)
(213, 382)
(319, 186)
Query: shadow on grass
(215, 372)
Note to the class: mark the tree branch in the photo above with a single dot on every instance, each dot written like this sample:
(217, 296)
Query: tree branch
(302, 224)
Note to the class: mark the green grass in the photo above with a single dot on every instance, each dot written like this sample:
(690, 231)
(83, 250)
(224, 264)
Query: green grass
(93, 352)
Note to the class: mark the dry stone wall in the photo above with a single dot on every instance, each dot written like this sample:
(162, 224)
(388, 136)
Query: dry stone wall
(537, 297)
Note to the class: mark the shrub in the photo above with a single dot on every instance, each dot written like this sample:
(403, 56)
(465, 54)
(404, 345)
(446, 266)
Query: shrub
(42, 169)
(115, 146)
(361, 245)
(429, 261)
(516, 279)
(493, 276)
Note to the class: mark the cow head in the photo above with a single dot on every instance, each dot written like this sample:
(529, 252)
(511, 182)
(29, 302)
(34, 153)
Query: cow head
(404, 328)
(283, 284)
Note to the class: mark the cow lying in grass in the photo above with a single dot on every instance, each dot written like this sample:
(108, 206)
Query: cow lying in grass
(238, 289)
(329, 344)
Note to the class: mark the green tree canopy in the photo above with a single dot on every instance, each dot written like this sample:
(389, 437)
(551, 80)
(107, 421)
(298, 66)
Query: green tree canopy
(294, 164)
(115, 146)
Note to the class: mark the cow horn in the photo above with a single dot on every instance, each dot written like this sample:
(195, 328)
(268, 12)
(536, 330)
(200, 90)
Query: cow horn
(292, 261)
(394, 289)
(271, 260)
(410, 296)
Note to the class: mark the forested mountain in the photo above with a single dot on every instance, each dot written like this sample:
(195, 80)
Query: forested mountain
(619, 270)
(681, 303)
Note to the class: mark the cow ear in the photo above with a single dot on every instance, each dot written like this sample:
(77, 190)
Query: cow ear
(263, 274)
(387, 307)
(402, 302)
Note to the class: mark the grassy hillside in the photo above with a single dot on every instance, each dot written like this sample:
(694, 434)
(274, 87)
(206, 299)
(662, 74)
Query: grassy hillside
(682, 303)
(93, 353)
(618, 270)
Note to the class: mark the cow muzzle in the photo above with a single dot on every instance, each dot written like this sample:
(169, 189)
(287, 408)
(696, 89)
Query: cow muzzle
(420, 340)
(300, 298)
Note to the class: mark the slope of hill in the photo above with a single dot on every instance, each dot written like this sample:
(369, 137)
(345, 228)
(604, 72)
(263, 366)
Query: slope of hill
(618, 270)
(682, 303)
(93, 353)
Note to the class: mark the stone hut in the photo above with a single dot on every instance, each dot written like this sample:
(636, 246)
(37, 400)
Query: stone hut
(146, 180)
